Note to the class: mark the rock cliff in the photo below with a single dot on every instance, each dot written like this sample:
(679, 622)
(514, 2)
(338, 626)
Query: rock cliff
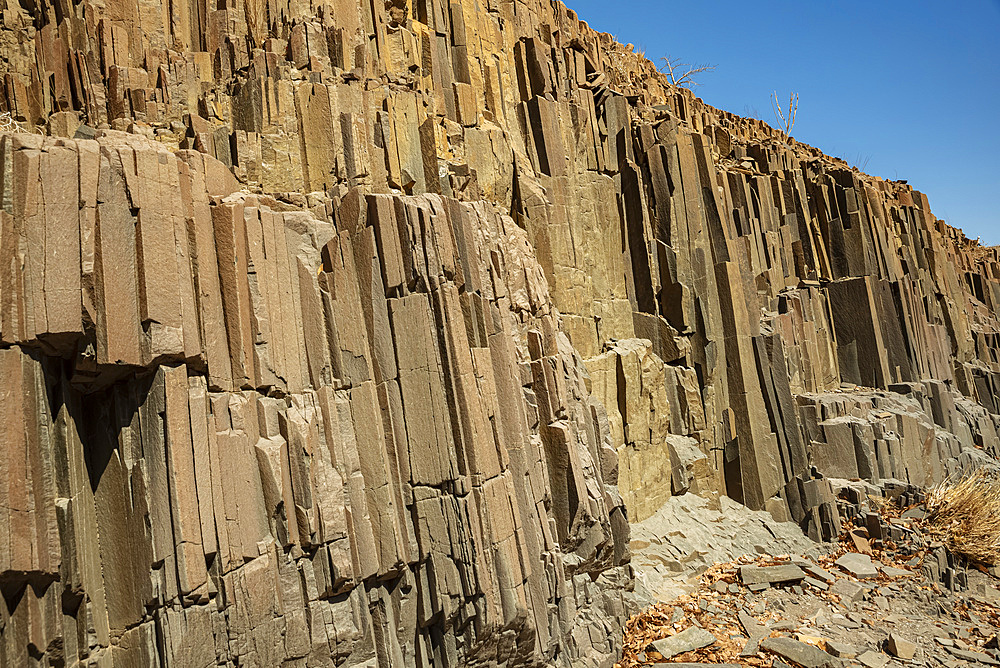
(339, 333)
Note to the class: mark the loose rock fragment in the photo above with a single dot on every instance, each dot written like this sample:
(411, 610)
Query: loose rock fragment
(858, 565)
(899, 647)
(873, 659)
(753, 575)
(841, 650)
(687, 640)
(800, 653)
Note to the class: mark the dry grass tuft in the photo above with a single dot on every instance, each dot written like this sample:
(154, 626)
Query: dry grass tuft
(965, 515)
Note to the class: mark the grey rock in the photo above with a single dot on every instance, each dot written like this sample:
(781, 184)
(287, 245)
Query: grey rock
(819, 573)
(893, 572)
(973, 656)
(85, 132)
(858, 565)
(847, 590)
(873, 659)
(800, 653)
(752, 575)
(752, 647)
(750, 625)
(687, 640)
(841, 650)
(755, 632)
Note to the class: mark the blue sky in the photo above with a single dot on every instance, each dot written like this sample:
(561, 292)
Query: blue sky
(909, 90)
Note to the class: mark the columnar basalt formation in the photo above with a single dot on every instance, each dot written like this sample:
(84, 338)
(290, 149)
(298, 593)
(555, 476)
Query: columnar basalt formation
(258, 434)
(339, 333)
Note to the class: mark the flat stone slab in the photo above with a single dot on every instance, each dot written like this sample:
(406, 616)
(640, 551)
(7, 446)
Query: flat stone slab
(819, 573)
(873, 659)
(686, 641)
(752, 575)
(755, 632)
(800, 653)
(858, 565)
(894, 572)
(851, 591)
(750, 625)
(978, 657)
(841, 650)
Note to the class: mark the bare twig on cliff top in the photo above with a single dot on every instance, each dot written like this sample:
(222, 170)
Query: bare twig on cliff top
(965, 515)
(786, 116)
(683, 74)
(8, 124)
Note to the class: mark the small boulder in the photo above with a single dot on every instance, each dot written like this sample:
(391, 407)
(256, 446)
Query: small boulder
(858, 565)
(900, 647)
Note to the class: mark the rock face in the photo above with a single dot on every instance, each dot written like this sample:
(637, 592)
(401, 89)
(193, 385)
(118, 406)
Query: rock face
(356, 333)
(278, 438)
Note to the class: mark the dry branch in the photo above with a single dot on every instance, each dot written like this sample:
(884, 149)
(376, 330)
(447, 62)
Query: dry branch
(787, 122)
(682, 74)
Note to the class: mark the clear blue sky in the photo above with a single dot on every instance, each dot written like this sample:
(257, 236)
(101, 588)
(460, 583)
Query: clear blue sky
(913, 88)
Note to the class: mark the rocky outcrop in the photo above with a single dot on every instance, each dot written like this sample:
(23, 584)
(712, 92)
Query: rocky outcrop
(356, 333)
(251, 433)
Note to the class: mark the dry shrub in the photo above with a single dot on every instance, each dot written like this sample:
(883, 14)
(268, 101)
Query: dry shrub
(965, 515)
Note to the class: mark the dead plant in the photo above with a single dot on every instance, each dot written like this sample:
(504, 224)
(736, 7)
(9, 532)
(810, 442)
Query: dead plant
(787, 116)
(9, 124)
(683, 74)
(965, 515)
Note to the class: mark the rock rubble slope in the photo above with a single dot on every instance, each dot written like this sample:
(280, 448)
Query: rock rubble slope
(881, 607)
(356, 333)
